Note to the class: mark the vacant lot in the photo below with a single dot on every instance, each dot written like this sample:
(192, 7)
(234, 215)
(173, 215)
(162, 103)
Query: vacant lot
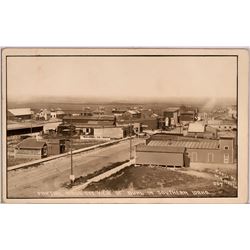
(165, 182)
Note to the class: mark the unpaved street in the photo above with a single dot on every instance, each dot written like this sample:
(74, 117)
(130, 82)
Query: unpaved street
(50, 176)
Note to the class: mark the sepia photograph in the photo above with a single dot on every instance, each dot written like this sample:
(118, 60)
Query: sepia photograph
(124, 125)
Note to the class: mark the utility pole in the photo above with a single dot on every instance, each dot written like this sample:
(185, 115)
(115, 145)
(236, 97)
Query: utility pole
(71, 177)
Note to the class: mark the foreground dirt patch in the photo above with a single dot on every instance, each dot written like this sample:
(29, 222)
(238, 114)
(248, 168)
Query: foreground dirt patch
(160, 181)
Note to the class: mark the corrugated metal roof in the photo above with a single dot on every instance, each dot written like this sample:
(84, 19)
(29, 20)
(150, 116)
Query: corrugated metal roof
(187, 144)
(21, 111)
(31, 143)
(167, 149)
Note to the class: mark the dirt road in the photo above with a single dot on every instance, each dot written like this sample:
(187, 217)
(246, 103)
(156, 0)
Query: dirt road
(50, 176)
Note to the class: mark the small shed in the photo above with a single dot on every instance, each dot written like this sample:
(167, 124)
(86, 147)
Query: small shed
(31, 148)
(56, 146)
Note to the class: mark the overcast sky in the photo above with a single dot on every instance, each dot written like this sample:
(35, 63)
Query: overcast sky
(121, 77)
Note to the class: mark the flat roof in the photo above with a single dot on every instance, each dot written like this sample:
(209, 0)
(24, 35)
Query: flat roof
(196, 127)
(91, 118)
(165, 149)
(87, 125)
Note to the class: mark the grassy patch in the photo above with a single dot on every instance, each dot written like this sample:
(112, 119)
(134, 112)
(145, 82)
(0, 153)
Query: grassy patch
(83, 179)
(157, 179)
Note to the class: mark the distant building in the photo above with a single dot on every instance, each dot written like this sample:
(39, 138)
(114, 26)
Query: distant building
(196, 129)
(187, 116)
(101, 126)
(222, 125)
(118, 112)
(87, 112)
(171, 116)
(19, 113)
(144, 124)
(44, 114)
(112, 132)
(57, 114)
(53, 114)
(31, 148)
(66, 129)
(50, 126)
(132, 114)
(98, 112)
(24, 128)
(102, 120)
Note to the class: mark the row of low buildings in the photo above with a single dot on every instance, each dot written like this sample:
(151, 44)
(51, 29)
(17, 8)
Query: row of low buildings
(179, 151)
(119, 122)
(20, 114)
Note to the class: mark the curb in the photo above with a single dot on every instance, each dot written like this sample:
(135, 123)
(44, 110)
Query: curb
(102, 176)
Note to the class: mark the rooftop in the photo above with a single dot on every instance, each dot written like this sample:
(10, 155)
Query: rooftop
(165, 149)
(133, 112)
(91, 118)
(20, 111)
(171, 109)
(23, 125)
(196, 127)
(213, 144)
(189, 112)
(31, 143)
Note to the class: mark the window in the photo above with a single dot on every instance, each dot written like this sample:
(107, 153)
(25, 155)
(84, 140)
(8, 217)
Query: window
(226, 158)
(226, 147)
(210, 157)
(194, 156)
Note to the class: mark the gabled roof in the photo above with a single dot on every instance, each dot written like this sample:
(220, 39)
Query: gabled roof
(196, 127)
(31, 143)
(20, 111)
